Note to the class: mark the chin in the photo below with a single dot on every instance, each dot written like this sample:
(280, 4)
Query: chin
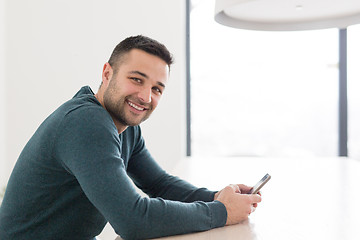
(134, 123)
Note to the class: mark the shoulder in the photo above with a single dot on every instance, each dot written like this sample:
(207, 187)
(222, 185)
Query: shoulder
(86, 108)
(84, 115)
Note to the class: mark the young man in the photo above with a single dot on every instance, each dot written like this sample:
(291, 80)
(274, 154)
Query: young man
(74, 175)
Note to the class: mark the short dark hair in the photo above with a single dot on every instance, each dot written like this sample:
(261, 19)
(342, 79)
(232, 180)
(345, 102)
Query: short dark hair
(141, 42)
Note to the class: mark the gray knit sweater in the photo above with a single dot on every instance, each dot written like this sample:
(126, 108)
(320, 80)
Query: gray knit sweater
(74, 175)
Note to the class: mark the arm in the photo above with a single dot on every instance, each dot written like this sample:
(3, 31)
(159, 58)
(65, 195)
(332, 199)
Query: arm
(155, 182)
(93, 156)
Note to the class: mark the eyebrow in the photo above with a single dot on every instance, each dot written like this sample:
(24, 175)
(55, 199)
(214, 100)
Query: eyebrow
(140, 73)
(147, 77)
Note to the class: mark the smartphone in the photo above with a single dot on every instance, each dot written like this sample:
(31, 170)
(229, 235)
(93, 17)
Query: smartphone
(260, 184)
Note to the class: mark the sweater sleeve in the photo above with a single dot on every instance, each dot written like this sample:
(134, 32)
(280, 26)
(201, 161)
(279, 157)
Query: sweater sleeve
(155, 182)
(89, 148)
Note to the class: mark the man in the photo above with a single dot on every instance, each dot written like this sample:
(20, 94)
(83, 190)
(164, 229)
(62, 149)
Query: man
(73, 176)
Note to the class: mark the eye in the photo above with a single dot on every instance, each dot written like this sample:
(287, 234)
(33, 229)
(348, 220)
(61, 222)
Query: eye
(135, 79)
(157, 90)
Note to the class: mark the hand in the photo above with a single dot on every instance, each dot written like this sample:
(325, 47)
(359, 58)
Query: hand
(245, 190)
(239, 205)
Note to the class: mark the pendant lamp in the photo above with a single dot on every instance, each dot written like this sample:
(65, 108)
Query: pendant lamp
(287, 15)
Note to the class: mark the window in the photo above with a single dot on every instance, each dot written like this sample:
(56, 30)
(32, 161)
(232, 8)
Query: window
(353, 91)
(257, 93)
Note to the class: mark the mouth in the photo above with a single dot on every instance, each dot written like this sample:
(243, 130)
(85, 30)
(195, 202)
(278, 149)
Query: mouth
(135, 106)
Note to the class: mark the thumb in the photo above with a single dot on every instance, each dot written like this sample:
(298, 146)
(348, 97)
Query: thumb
(244, 188)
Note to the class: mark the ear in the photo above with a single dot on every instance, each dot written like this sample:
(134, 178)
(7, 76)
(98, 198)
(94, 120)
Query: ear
(107, 73)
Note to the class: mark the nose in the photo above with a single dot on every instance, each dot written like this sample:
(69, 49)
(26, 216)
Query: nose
(145, 95)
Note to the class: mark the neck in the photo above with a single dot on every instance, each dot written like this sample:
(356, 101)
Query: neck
(121, 128)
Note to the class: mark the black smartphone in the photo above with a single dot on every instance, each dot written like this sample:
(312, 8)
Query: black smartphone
(260, 184)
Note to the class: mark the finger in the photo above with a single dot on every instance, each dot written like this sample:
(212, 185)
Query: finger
(255, 198)
(253, 209)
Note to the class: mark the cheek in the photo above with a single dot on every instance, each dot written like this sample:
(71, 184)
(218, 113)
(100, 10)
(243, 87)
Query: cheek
(155, 101)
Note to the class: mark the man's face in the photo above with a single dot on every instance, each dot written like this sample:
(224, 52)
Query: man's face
(134, 91)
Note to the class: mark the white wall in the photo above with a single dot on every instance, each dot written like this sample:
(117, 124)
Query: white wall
(3, 166)
(55, 47)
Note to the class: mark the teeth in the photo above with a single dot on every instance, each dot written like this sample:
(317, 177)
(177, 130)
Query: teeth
(135, 106)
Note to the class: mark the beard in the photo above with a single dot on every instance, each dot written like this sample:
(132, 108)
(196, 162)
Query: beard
(117, 108)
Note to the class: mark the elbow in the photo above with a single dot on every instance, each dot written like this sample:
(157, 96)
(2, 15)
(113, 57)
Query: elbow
(136, 232)
(128, 235)
(130, 232)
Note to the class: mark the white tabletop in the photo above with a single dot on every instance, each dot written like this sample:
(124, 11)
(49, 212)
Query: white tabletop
(307, 198)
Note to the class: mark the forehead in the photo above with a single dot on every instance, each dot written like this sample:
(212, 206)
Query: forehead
(140, 61)
(136, 55)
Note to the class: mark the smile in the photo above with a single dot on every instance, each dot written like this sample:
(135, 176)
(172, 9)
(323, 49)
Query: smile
(135, 106)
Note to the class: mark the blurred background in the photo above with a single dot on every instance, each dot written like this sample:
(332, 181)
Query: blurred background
(270, 93)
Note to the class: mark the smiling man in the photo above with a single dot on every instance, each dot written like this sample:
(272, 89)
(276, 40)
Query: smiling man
(131, 92)
(77, 171)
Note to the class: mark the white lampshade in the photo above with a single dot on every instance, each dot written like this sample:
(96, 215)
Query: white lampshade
(287, 15)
